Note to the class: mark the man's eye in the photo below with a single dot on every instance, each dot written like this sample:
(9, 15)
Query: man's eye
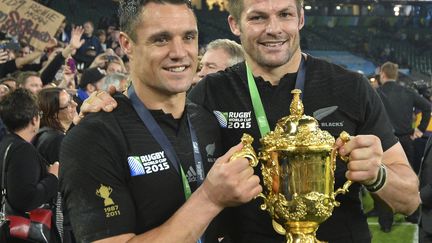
(284, 15)
(161, 40)
(256, 18)
(190, 37)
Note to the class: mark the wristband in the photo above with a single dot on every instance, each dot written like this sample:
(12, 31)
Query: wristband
(380, 181)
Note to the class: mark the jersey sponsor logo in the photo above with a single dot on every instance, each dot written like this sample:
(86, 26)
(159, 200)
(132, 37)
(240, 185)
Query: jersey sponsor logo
(234, 120)
(110, 208)
(148, 164)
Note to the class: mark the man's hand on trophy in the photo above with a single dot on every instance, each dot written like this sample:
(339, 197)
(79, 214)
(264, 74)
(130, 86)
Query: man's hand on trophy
(230, 183)
(365, 155)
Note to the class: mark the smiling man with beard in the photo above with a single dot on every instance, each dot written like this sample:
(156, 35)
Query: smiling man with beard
(269, 31)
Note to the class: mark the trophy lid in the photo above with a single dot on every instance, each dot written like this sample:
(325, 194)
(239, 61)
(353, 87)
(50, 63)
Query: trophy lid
(297, 132)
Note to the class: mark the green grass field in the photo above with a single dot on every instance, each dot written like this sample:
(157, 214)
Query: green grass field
(402, 232)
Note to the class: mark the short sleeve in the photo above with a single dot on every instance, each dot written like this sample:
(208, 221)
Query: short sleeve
(93, 181)
(375, 117)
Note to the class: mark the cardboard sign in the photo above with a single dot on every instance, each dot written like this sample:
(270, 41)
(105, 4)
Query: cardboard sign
(32, 22)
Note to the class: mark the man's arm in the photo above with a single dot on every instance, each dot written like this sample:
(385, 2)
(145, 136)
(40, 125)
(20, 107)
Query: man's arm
(49, 71)
(21, 61)
(400, 191)
(425, 175)
(228, 183)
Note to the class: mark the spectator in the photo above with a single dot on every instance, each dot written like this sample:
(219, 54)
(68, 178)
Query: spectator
(10, 82)
(114, 65)
(62, 35)
(59, 111)
(113, 38)
(101, 35)
(118, 81)
(25, 50)
(220, 54)
(31, 81)
(91, 47)
(30, 181)
(110, 62)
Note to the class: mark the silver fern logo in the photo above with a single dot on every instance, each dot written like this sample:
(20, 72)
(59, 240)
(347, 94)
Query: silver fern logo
(222, 118)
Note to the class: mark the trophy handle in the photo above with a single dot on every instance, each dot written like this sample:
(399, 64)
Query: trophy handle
(345, 137)
(247, 151)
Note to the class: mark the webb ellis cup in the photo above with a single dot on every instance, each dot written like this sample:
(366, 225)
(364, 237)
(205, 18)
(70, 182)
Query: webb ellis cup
(298, 161)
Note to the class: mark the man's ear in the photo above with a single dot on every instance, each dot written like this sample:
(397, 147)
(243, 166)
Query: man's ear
(235, 28)
(126, 44)
(302, 19)
(35, 120)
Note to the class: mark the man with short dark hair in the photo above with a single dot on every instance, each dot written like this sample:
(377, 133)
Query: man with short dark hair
(137, 174)
(400, 103)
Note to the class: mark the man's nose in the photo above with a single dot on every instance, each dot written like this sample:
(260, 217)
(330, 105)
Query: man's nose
(177, 49)
(273, 26)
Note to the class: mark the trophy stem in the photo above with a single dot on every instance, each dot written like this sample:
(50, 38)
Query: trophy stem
(302, 232)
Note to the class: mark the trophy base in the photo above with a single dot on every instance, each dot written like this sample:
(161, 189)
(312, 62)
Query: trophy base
(302, 232)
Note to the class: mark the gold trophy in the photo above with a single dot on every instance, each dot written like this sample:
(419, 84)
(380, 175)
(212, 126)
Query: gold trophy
(298, 161)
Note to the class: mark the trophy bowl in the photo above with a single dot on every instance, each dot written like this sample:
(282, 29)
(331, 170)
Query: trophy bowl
(298, 161)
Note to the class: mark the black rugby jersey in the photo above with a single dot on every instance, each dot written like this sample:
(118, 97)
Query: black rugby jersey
(357, 110)
(116, 179)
